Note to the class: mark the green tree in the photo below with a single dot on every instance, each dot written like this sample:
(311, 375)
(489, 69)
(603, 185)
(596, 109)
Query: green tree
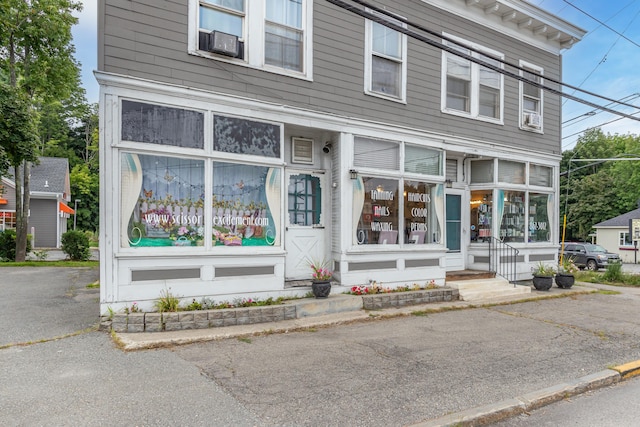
(37, 59)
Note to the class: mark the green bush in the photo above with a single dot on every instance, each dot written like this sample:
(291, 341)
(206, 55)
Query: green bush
(8, 245)
(76, 245)
(613, 273)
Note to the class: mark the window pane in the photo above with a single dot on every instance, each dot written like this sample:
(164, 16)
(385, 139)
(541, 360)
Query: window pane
(489, 77)
(481, 171)
(512, 219)
(157, 124)
(511, 172)
(305, 200)
(229, 4)
(385, 76)
(246, 205)
(540, 175)
(211, 19)
(458, 94)
(240, 136)
(378, 222)
(422, 160)
(375, 153)
(489, 105)
(285, 12)
(457, 66)
(162, 201)
(420, 221)
(481, 215)
(530, 104)
(283, 47)
(386, 41)
(540, 205)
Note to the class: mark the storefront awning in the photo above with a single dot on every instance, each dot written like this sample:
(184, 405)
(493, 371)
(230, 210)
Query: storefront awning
(66, 209)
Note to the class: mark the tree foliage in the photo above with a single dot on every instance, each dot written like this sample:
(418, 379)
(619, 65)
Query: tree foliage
(36, 61)
(598, 189)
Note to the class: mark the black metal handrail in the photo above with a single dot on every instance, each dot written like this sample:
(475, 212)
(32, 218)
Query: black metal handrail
(503, 259)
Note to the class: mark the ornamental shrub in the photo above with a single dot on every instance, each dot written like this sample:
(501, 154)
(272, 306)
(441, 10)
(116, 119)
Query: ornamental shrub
(8, 245)
(76, 245)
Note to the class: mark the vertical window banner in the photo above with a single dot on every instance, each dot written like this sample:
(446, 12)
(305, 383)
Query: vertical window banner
(378, 223)
(246, 205)
(540, 208)
(162, 201)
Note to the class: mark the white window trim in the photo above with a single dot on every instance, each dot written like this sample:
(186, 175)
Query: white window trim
(254, 39)
(475, 83)
(368, 66)
(522, 124)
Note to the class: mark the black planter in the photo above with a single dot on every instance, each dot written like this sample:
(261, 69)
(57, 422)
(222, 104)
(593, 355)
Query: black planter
(565, 281)
(542, 283)
(321, 288)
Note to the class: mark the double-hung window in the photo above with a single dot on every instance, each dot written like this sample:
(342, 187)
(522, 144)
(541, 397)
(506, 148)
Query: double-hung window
(530, 98)
(386, 61)
(471, 89)
(273, 35)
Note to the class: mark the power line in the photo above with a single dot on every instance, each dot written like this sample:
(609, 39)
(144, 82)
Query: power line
(393, 25)
(602, 23)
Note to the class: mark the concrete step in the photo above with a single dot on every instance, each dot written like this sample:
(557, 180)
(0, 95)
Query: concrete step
(487, 289)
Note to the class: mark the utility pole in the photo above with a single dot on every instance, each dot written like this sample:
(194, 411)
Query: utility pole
(75, 213)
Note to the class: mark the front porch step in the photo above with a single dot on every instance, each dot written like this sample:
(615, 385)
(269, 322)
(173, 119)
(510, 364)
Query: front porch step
(469, 275)
(487, 289)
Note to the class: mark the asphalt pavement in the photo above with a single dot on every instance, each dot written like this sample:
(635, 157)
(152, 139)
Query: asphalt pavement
(56, 368)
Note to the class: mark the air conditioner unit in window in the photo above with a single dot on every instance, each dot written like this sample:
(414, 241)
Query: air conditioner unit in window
(223, 43)
(532, 120)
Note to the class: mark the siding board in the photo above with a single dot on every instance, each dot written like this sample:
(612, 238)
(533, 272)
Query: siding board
(148, 39)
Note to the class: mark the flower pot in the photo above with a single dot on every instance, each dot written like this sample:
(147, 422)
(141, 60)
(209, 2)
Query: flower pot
(542, 283)
(565, 281)
(321, 288)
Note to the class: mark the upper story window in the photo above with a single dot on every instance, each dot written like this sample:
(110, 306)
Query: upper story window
(531, 98)
(471, 89)
(385, 61)
(273, 35)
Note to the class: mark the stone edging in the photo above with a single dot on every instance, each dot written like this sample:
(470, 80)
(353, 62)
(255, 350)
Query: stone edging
(203, 319)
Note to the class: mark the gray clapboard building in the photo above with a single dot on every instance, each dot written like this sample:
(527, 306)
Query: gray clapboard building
(243, 139)
(50, 193)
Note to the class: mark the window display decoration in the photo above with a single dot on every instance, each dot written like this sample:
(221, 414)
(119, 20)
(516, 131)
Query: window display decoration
(246, 205)
(162, 201)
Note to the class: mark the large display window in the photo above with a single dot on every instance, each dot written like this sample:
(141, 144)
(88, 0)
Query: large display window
(163, 203)
(378, 220)
(540, 211)
(420, 213)
(246, 205)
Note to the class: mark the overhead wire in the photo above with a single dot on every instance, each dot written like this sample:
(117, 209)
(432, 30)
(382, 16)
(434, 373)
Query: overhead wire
(390, 24)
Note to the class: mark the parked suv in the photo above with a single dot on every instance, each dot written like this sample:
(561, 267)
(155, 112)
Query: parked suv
(588, 255)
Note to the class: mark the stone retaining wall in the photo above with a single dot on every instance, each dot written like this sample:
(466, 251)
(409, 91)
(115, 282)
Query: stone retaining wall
(202, 319)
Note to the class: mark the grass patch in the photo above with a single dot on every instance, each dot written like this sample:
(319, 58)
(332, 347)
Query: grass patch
(607, 292)
(612, 277)
(246, 340)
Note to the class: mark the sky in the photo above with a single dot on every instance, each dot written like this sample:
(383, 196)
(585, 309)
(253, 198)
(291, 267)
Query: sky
(605, 62)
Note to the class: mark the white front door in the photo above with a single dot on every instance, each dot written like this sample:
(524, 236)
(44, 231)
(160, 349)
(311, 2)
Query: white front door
(305, 231)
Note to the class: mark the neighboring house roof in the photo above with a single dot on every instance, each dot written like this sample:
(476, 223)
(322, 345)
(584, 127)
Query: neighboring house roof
(49, 176)
(621, 220)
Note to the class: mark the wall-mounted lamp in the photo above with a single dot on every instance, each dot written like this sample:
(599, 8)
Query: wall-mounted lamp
(448, 183)
(327, 148)
(353, 174)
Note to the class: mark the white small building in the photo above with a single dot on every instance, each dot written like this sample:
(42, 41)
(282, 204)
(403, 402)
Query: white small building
(613, 234)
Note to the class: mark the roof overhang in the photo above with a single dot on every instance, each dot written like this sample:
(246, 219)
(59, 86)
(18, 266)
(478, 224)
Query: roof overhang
(519, 19)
